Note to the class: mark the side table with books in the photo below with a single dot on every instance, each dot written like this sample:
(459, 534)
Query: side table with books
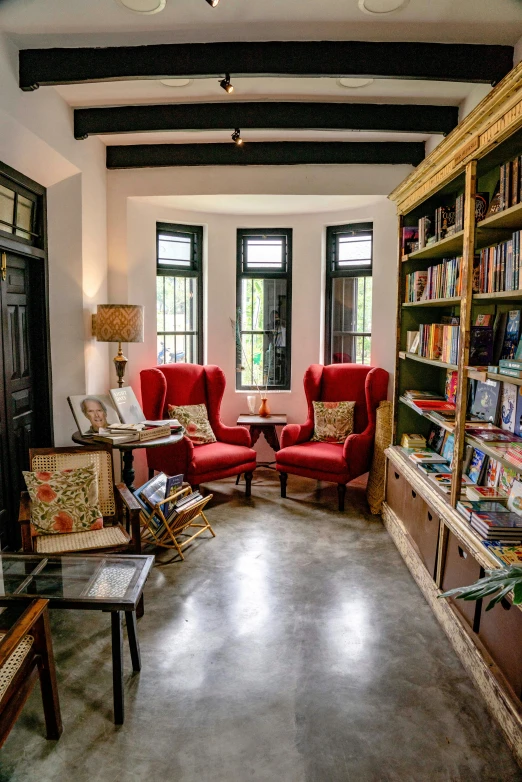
(169, 508)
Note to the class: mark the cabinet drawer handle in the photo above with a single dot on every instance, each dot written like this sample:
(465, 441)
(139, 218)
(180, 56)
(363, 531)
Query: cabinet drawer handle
(397, 476)
(430, 517)
(462, 554)
(413, 494)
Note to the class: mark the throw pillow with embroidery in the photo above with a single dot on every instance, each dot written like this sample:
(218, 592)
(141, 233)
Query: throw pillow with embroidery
(62, 501)
(333, 421)
(195, 420)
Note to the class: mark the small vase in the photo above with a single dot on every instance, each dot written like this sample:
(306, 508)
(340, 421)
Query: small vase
(251, 402)
(264, 410)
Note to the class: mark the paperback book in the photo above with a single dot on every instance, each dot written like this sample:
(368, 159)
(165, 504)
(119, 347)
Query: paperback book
(504, 552)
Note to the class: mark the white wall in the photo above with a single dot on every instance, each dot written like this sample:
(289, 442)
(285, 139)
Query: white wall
(132, 258)
(37, 139)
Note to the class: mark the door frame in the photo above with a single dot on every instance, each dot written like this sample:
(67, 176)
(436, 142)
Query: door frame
(39, 285)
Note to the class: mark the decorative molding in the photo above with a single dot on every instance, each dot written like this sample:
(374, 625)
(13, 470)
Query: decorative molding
(266, 115)
(284, 153)
(370, 59)
(497, 116)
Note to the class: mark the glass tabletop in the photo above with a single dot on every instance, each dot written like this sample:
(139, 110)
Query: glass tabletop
(88, 579)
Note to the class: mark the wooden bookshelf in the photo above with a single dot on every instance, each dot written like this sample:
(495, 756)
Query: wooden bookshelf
(424, 525)
(436, 302)
(446, 248)
(432, 361)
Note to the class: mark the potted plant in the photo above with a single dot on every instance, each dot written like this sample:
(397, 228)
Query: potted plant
(498, 582)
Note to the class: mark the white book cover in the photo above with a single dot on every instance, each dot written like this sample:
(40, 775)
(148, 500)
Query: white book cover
(508, 407)
(127, 405)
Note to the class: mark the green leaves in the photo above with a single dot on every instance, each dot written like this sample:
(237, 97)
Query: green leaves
(499, 582)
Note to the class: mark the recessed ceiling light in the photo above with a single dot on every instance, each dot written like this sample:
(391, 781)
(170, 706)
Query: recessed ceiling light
(354, 83)
(376, 7)
(176, 82)
(143, 6)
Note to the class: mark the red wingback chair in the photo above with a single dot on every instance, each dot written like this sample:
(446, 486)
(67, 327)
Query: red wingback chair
(192, 384)
(336, 462)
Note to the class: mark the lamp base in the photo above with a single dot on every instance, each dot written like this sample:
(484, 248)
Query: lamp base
(120, 362)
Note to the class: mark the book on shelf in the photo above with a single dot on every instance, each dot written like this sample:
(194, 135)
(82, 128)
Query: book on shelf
(515, 497)
(413, 440)
(436, 438)
(517, 373)
(443, 481)
(497, 526)
(493, 436)
(505, 553)
(492, 472)
(413, 394)
(432, 469)
(512, 336)
(410, 240)
(427, 405)
(411, 336)
(439, 341)
(486, 493)
(508, 406)
(423, 456)
(495, 205)
(467, 507)
(486, 400)
(444, 219)
(448, 447)
(477, 466)
(441, 281)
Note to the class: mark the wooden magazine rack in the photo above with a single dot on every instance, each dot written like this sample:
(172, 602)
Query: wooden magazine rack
(161, 530)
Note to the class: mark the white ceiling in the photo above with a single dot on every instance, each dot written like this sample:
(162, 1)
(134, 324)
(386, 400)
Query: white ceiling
(104, 22)
(262, 204)
(247, 89)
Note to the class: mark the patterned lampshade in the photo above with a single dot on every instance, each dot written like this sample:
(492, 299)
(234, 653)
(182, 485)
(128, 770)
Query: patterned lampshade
(119, 323)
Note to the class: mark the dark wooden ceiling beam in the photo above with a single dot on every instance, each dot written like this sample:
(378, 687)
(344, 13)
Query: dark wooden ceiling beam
(265, 154)
(272, 116)
(389, 60)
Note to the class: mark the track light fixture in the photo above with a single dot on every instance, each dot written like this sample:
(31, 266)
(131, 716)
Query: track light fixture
(225, 83)
(236, 137)
(213, 3)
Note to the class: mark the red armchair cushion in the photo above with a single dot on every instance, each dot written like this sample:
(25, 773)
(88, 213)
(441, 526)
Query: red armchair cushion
(213, 456)
(324, 461)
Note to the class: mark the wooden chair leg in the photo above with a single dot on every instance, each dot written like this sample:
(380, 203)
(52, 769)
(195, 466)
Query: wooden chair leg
(248, 482)
(48, 684)
(341, 493)
(283, 477)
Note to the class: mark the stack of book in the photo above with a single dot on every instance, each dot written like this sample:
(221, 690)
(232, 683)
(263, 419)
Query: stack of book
(186, 502)
(439, 341)
(130, 433)
(467, 507)
(514, 454)
(498, 526)
(512, 367)
(424, 456)
(413, 441)
(499, 267)
(504, 553)
(494, 493)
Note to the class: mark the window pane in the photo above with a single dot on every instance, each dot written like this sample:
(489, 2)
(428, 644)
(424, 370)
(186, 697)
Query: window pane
(24, 217)
(6, 209)
(177, 319)
(354, 250)
(264, 253)
(262, 348)
(351, 319)
(175, 250)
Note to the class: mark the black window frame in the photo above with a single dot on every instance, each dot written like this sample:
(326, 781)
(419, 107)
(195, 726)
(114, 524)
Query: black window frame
(194, 270)
(242, 273)
(334, 270)
(36, 230)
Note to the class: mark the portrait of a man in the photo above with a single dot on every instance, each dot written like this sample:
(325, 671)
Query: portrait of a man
(93, 412)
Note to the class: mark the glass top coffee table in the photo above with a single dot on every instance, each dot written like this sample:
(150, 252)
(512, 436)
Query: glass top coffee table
(92, 582)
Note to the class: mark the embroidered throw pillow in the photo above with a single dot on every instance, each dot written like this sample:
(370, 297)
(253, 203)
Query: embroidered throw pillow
(195, 420)
(333, 421)
(63, 501)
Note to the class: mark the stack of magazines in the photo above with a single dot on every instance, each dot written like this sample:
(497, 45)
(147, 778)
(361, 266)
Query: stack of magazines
(129, 433)
(163, 498)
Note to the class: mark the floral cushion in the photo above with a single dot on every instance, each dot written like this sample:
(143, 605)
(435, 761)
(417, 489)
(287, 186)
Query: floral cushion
(195, 420)
(64, 501)
(333, 421)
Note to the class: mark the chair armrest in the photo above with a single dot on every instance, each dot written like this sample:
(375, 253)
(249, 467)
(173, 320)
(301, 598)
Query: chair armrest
(24, 514)
(233, 435)
(293, 434)
(128, 498)
(357, 451)
(20, 628)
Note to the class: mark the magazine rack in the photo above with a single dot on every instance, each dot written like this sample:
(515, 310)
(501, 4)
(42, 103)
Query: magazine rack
(164, 531)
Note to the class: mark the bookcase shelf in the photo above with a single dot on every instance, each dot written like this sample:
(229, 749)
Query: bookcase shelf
(433, 362)
(436, 302)
(438, 545)
(446, 248)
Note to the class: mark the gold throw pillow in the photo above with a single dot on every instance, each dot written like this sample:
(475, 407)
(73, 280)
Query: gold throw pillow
(195, 420)
(333, 421)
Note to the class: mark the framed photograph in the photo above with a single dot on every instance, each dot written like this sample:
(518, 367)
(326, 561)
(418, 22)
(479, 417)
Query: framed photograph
(93, 412)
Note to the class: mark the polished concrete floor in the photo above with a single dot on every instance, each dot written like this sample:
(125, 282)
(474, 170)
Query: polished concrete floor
(293, 647)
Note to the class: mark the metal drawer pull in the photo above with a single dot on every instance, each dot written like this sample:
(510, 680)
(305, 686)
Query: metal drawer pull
(462, 554)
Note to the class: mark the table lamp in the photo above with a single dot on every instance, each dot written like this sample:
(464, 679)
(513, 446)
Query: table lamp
(118, 323)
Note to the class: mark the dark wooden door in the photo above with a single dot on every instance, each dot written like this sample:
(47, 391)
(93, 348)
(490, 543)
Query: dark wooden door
(23, 410)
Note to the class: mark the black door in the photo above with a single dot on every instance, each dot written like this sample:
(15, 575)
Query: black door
(24, 398)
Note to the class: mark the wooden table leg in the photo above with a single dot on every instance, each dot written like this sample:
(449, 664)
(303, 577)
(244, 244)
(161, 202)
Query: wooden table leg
(117, 666)
(128, 470)
(132, 631)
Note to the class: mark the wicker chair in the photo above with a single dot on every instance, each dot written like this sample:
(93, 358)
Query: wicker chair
(26, 654)
(117, 505)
